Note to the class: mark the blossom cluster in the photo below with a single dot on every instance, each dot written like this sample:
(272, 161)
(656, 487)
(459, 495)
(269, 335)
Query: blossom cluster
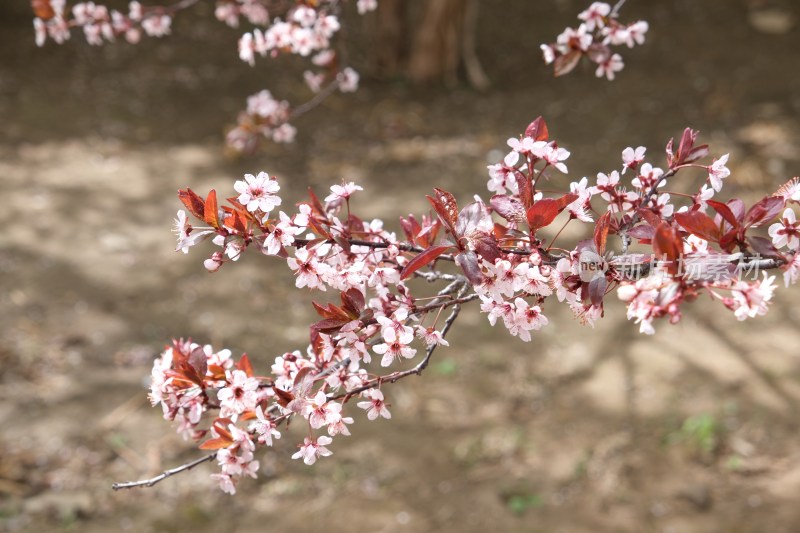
(297, 27)
(99, 23)
(593, 38)
(501, 253)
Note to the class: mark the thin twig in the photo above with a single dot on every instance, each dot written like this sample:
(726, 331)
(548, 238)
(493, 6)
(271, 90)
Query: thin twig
(314, 102)
(615, 10)
(164, 475)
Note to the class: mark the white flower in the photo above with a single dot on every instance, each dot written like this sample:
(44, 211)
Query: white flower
(258, 192)
(311, 449)
(718, 171)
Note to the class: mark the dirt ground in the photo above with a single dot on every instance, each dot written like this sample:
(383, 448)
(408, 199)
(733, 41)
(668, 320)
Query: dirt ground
(582, 430)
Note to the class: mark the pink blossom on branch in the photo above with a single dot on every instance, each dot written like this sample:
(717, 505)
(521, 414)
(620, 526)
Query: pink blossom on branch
(501, 254)
(594, 37)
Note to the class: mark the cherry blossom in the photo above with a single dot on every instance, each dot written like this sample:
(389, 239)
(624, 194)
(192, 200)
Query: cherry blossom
(395, 346)
(188, 236)
(717, 171)
(342, 192)
(308, 269)
(631, 159)
(258, 192)
(375, 405)
(786, 232)
(751, 300)
(240, 395)
(264, 427)
(311, 449)
(594, 16)
(609, 67)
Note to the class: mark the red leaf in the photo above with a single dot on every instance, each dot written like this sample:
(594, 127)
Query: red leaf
(410, 227)
(700, 224)
(235, 220)
(597, 289)
(601, 232)
(216, 444)
(446, 207)
(542, 213)
(211, 211)
(468, 261)
(353, 302)
(199, 362)
(763, 247)
(642, 232)
(329, 325)
(698, 152)
(508, 207)
(316, 205)
(686, 146)
(667, 246)
(485, 245)
(565, 200)
(43, 9)
(567, 63)
(245, 366)
(331, 312)
(729, 240)
(525, 189)
(764, 211)
(192, 201)
(725, 212)
(537, 130)
(648, 216)
(423, 258)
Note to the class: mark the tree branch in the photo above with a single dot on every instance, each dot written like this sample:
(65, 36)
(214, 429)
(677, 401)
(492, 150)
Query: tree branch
(164, 475)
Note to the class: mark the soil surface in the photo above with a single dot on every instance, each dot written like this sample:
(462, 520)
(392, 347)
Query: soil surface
(692, 430)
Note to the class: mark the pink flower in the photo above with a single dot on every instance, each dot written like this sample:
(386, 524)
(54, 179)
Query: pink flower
(632, 158)
(648, 177)
(318, 409)
(752, 299)
(281, 235)
(395, 345)
(609, 67)
(529, 279)
(343, 191)
(431, 336)
(555, 155)
(548, 52)
(717, 172)
(636, 32)
(186, 236)
(786, 232)
(790, 190)
(240, 395)
(791, 271)
(527, 318)
(311, 449)
(579, 39)
(264, 427)
(226, 483)
(258, 192)
(594, 16)
(376, 406)
(348, 80)
(213, 263)
(157, 25)
(308, 269)
(365, 6)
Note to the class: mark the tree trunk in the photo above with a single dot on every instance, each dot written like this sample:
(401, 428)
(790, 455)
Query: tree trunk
(442, 44)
